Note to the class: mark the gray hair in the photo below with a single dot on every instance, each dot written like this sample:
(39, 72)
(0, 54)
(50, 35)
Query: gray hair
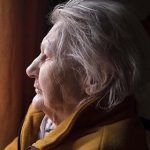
(101, 37)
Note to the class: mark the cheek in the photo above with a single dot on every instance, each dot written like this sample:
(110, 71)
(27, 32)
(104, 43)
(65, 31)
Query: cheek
(45, 78)
(50, 88)
(58, 88)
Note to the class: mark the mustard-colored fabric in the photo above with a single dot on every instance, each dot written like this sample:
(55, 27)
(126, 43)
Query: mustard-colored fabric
(13, 145)
(88, 128)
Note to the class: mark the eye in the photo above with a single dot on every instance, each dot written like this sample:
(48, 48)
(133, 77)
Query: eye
(46, 57)
(43, 57)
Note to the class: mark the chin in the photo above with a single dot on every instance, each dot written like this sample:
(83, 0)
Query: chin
(37, 103)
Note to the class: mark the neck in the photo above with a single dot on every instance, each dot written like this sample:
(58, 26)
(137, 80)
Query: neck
(59, 114)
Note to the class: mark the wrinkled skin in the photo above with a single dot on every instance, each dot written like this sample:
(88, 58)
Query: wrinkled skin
(58, 90)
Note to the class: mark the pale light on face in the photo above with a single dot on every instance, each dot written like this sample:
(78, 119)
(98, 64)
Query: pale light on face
(56, 88)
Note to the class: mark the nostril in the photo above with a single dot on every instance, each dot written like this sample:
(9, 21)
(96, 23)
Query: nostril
(32, 76)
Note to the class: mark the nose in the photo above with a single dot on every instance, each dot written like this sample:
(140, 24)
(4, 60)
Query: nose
(33, 70)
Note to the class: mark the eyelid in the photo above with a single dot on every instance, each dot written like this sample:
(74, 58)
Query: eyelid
(46, 57)
(45, 53)
(43, 56)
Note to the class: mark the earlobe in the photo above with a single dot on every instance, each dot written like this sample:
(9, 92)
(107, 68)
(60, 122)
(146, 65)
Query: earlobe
(91, 86)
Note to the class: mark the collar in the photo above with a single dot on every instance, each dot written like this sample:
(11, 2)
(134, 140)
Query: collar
(86, 115)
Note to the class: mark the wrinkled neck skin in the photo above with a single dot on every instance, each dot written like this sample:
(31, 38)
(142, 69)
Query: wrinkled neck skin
(60, 113)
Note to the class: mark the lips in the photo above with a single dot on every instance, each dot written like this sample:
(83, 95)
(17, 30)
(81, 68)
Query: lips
(38, 91)
(37, 88)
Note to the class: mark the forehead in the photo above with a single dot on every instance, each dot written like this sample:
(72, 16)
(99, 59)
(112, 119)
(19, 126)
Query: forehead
(53, 32)
(52, 36)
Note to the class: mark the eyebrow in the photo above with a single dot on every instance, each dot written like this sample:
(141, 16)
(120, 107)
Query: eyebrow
(44, 44)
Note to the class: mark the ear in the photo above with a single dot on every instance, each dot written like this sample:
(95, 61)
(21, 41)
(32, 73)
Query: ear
(91, 86)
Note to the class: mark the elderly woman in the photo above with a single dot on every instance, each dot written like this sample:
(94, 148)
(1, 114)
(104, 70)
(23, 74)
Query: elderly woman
(85, 76)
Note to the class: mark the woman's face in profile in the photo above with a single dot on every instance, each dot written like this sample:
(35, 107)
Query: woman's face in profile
(55, 87)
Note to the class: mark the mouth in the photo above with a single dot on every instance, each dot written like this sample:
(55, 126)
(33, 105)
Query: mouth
(37, 88)
(38, 91)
